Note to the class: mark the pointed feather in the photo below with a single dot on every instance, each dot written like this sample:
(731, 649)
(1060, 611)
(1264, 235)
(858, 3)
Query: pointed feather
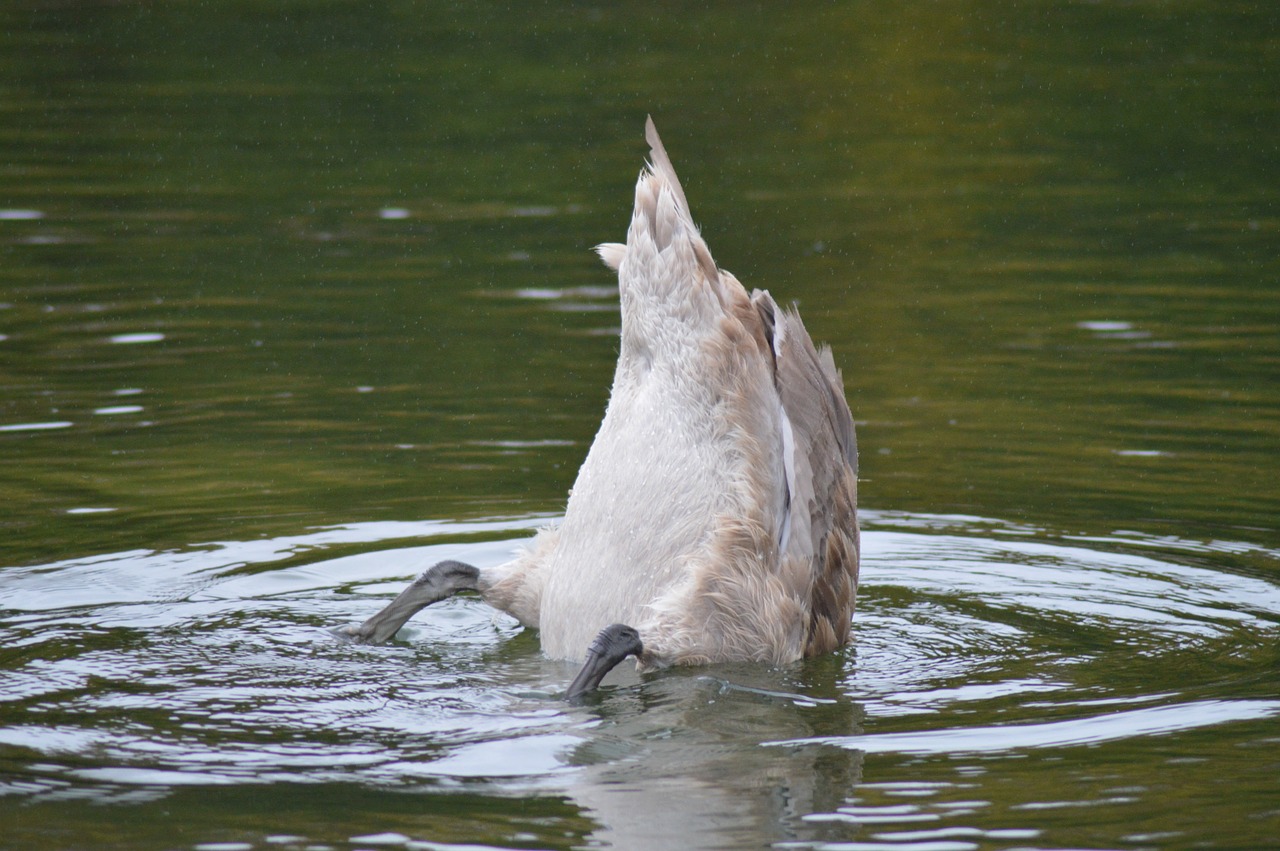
(612, 254)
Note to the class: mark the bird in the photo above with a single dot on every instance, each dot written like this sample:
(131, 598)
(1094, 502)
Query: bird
(714, 518)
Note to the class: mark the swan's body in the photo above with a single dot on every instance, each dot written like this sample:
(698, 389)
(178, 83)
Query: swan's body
(716, 510)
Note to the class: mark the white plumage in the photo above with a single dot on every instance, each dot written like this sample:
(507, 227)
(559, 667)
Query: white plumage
(716, 510)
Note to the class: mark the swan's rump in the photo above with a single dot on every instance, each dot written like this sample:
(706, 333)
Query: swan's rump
(715, 509)
(714, 516)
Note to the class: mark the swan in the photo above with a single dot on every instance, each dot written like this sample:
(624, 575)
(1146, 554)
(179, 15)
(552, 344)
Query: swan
(715, 516)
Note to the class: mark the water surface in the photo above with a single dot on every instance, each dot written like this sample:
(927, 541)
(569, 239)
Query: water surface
(296, 299)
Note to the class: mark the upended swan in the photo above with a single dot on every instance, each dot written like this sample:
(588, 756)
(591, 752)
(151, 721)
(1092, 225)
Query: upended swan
(715, 516)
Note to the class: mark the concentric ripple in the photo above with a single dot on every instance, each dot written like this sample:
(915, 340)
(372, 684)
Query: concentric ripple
(132, 675)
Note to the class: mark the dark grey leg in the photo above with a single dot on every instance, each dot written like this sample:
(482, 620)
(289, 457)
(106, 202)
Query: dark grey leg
(437, 582)
(611, 646)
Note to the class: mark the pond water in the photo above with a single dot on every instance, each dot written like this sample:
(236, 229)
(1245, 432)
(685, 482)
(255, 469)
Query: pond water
(297, 299)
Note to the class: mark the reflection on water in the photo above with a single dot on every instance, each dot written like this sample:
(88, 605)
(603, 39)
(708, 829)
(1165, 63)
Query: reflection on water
(129, 676)
(1121, 724)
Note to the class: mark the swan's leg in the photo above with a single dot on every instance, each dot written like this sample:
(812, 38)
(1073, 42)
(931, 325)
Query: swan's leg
(611, 646)
(437, 582)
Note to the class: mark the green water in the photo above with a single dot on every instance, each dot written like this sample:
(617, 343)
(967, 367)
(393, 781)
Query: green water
(296, 298)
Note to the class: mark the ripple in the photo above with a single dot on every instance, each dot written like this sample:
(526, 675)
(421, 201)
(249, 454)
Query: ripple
(1105, 325)
(1077, 731)
(381, 839)
(217, 666)
(522, 444)
(527, 756)
(44, 426)
(13, 215)
(133, 339)
(150, 777)
(552, 294)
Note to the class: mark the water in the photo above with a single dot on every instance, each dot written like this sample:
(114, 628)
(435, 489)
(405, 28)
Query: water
(999, 683)
(295, 301)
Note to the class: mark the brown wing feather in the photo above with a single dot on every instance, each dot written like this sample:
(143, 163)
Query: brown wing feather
(824, 486)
